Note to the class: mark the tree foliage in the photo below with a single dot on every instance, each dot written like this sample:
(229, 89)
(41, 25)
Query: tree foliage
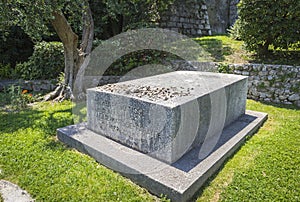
(66, 17)
(72, 19)
(46, 54)
(263, 23)
(113, 17)
(16, 46)
(34, 16)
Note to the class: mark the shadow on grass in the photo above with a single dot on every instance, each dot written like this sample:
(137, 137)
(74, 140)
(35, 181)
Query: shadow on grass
(215, 48)
(46, 121)
(278, 57)
(13, 121)
(282, 106)
(211, 178)
(56, 145)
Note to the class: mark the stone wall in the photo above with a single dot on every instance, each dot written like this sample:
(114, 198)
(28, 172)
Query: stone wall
(200, 17)
(271, 83)
(233, 11)
(268, 83)
(35, 85)
(222, 14)
(187, 17)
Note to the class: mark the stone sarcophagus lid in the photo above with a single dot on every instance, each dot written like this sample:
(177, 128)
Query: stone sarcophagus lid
(167, 115)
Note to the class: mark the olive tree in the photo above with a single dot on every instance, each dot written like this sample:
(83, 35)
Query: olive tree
(72, 20)
(35, 16)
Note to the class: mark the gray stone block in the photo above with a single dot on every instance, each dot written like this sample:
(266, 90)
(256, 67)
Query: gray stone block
(167, 115)
(179, 181)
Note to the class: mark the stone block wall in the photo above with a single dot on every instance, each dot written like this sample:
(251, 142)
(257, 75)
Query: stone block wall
(271, 83)
(233, 11)
(268, 83)
(34, 85)
(187, 17)
(222, 14)
(200, 17)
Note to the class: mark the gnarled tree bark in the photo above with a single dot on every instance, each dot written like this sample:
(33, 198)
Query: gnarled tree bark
(74, 57)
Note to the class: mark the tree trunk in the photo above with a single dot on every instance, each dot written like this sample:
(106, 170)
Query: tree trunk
(263, 50)
(70, 41)
(74, 57)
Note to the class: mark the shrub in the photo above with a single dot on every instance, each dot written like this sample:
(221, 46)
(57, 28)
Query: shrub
(6, 71)
(18, 98)
(264, 23)
(139, 58)
(46, 62)
(224, 68)
(16, 46)
(234, 31)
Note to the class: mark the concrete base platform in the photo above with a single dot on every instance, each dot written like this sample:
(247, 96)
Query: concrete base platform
(179, 181)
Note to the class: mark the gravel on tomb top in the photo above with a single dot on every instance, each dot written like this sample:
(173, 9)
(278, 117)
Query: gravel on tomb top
(151, 92)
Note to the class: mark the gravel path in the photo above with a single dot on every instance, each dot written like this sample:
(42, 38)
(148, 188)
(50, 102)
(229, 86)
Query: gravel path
(12, 193)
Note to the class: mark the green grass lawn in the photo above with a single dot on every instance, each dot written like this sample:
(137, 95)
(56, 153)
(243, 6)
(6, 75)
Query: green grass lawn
(31, 157)
(227, 50)
(266, 168)
(224, 49)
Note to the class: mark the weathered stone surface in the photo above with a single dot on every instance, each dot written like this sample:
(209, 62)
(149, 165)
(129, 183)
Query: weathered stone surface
(294, 97)
(189, 18)
(33, 85)
(165, 116)
(271, 83)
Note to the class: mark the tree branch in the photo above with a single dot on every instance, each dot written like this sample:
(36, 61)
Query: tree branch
(88, 30)
(63, 29)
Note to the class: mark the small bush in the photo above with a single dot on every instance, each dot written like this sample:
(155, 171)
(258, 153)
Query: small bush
(234, 31)
(224, 68)
(139, 58)
(46, 62)
(6, 71)
(19, 98)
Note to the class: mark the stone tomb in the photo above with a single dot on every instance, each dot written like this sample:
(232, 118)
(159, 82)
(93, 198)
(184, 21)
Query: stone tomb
(170, 132)
(165, 116)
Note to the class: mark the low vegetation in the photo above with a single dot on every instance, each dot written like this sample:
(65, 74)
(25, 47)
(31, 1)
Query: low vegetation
(222, 48)
(31, 157)
(225, 49)
(265, 168)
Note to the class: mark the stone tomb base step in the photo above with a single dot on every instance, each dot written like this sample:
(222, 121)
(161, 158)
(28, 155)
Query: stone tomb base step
(179, 181)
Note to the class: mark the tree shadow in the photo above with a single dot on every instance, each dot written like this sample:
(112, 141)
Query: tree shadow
(46, 121)
(286, 57)
(215, 47)
(49, 123)
(13, 121)
(208, 182)
(281, 106)
(56, 145)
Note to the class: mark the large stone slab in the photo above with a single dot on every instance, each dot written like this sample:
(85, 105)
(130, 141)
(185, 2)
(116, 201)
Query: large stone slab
(167, 115)
(178, 181)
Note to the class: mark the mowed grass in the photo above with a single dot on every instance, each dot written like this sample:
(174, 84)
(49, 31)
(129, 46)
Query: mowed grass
(224, 49)
(266, 168)
(32, 157)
